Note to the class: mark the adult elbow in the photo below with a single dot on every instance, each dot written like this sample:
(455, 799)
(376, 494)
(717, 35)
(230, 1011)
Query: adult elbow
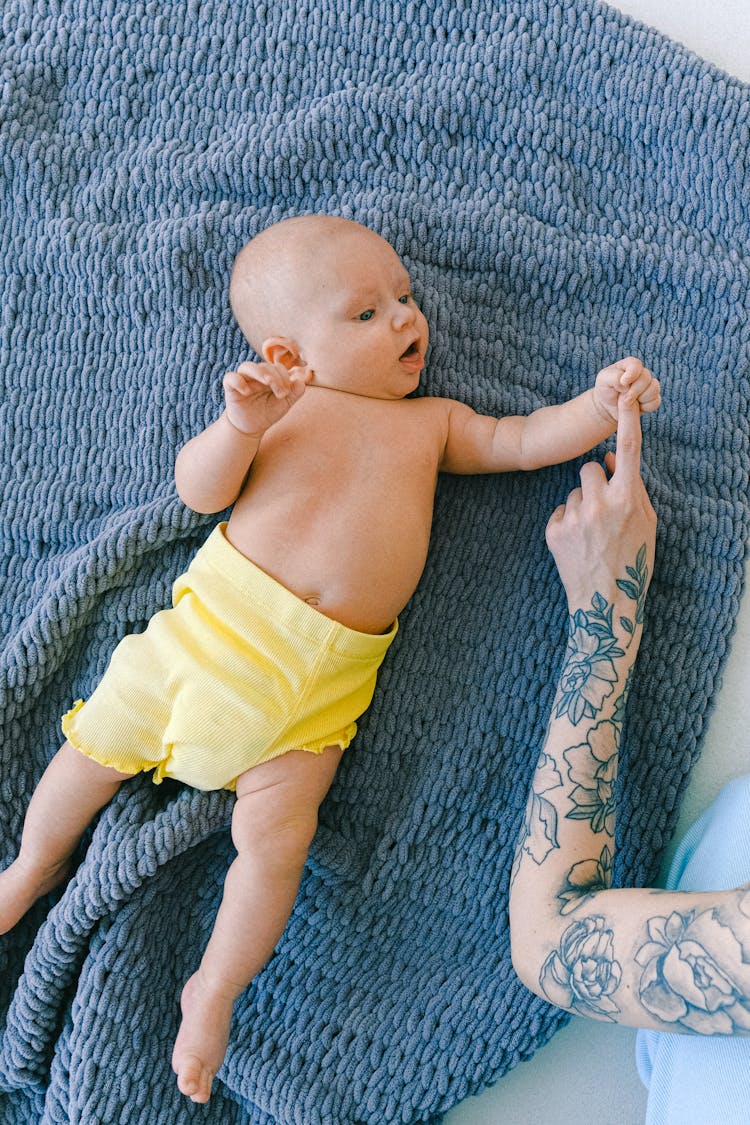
(525, 953)
(525, 967)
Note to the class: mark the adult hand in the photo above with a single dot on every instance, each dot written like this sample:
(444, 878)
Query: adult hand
(606, 525)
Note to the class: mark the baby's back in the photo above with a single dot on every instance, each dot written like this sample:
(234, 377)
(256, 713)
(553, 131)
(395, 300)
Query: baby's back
(338, 503)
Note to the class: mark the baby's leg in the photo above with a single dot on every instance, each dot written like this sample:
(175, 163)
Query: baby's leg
(70, 793)
(274, 820)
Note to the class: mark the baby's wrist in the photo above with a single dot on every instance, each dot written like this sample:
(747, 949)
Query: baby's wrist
(601, 412)
(249, 435)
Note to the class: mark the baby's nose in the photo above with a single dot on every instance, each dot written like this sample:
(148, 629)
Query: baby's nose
(404, 314)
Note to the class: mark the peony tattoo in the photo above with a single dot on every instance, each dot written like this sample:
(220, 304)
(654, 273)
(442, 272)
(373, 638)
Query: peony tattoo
(582, 973)
(695, 975)
(592, 767)
(589, 676)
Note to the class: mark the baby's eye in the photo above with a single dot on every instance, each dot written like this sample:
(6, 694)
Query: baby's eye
(368, 314)
(405, 299)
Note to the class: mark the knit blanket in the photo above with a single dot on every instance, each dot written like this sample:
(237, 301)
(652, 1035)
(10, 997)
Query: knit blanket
(566, 187)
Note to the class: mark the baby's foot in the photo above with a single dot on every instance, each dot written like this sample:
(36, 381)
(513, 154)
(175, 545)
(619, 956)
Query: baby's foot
(21, 885)
(202, 1039)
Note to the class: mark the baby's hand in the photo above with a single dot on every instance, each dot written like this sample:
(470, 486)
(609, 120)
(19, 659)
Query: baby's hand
(259, 394)
(629, 378)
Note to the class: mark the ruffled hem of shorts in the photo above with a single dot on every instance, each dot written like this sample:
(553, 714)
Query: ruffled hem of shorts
(342, 740)
(67, 728)
(65, 721)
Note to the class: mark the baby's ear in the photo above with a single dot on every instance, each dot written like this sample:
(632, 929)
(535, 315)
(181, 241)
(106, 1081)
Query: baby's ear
(282, 350)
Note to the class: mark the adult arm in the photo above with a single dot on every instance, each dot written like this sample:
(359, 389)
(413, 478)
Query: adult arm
(671, 961)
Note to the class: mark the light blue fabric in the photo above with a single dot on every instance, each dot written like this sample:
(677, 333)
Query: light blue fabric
(692, 1079)
(566, 187)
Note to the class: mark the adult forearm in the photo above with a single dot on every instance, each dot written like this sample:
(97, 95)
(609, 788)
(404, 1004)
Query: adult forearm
(673, 961)
(566, 845)
(211, 468)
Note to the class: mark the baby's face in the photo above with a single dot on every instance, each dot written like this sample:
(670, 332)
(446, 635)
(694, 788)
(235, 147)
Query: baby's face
(363, 332)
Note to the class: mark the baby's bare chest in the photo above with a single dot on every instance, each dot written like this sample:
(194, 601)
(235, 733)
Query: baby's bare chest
(375, 457)
(340, 510)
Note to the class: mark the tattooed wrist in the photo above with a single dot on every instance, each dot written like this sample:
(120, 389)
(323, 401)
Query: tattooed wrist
(635, 588)
(589, 673)
(633, 585)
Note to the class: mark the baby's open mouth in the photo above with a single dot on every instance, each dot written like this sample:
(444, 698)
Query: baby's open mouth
(412, 359)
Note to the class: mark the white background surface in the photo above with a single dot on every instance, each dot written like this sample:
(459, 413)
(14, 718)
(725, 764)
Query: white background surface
(586, 1074)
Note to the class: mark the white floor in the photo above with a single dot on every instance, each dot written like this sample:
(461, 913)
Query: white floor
(586, 1073)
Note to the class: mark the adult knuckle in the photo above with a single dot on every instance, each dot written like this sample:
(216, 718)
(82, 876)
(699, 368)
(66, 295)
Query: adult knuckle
(626, 501)
(552, 530)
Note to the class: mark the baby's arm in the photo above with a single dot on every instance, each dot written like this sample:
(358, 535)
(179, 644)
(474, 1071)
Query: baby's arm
(211, 469)
(478, 443)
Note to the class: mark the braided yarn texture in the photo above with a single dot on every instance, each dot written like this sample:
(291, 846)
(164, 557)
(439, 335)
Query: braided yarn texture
(566, 187)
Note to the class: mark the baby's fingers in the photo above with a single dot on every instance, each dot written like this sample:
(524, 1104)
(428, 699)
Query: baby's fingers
(651, 397)
(278, 383)
(635, 389)
(257, 375)
(633, 373)
(638, 387)
(630, 369)
(299, 377)
(236, 383)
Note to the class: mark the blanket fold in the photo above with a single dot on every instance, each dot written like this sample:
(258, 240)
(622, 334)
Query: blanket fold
(567, 187)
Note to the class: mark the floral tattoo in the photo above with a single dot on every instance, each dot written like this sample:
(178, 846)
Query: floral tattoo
(584, 879)
(588, 679)
(538, 835)
(635, 589)
(589, 674)
(695, 975)
(582, 973)
(592, 767)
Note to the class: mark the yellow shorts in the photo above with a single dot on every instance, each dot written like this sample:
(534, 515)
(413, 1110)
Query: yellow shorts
(239, 671)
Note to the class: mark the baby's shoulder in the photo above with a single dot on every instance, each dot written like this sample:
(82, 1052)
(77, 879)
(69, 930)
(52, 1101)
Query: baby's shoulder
(430, 406)
(429, 418)
(429, 410)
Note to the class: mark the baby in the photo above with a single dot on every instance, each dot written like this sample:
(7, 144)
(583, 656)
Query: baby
(254, 679)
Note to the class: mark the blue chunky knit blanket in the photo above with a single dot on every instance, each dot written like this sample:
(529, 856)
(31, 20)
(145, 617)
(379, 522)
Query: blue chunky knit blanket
(566, 187)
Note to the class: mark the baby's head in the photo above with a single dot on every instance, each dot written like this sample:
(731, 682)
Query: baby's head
(327, 293)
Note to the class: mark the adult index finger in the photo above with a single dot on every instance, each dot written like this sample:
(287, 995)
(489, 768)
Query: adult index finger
(628, 461)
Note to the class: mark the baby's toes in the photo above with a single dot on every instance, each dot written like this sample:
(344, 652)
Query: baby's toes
(194, 1079)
